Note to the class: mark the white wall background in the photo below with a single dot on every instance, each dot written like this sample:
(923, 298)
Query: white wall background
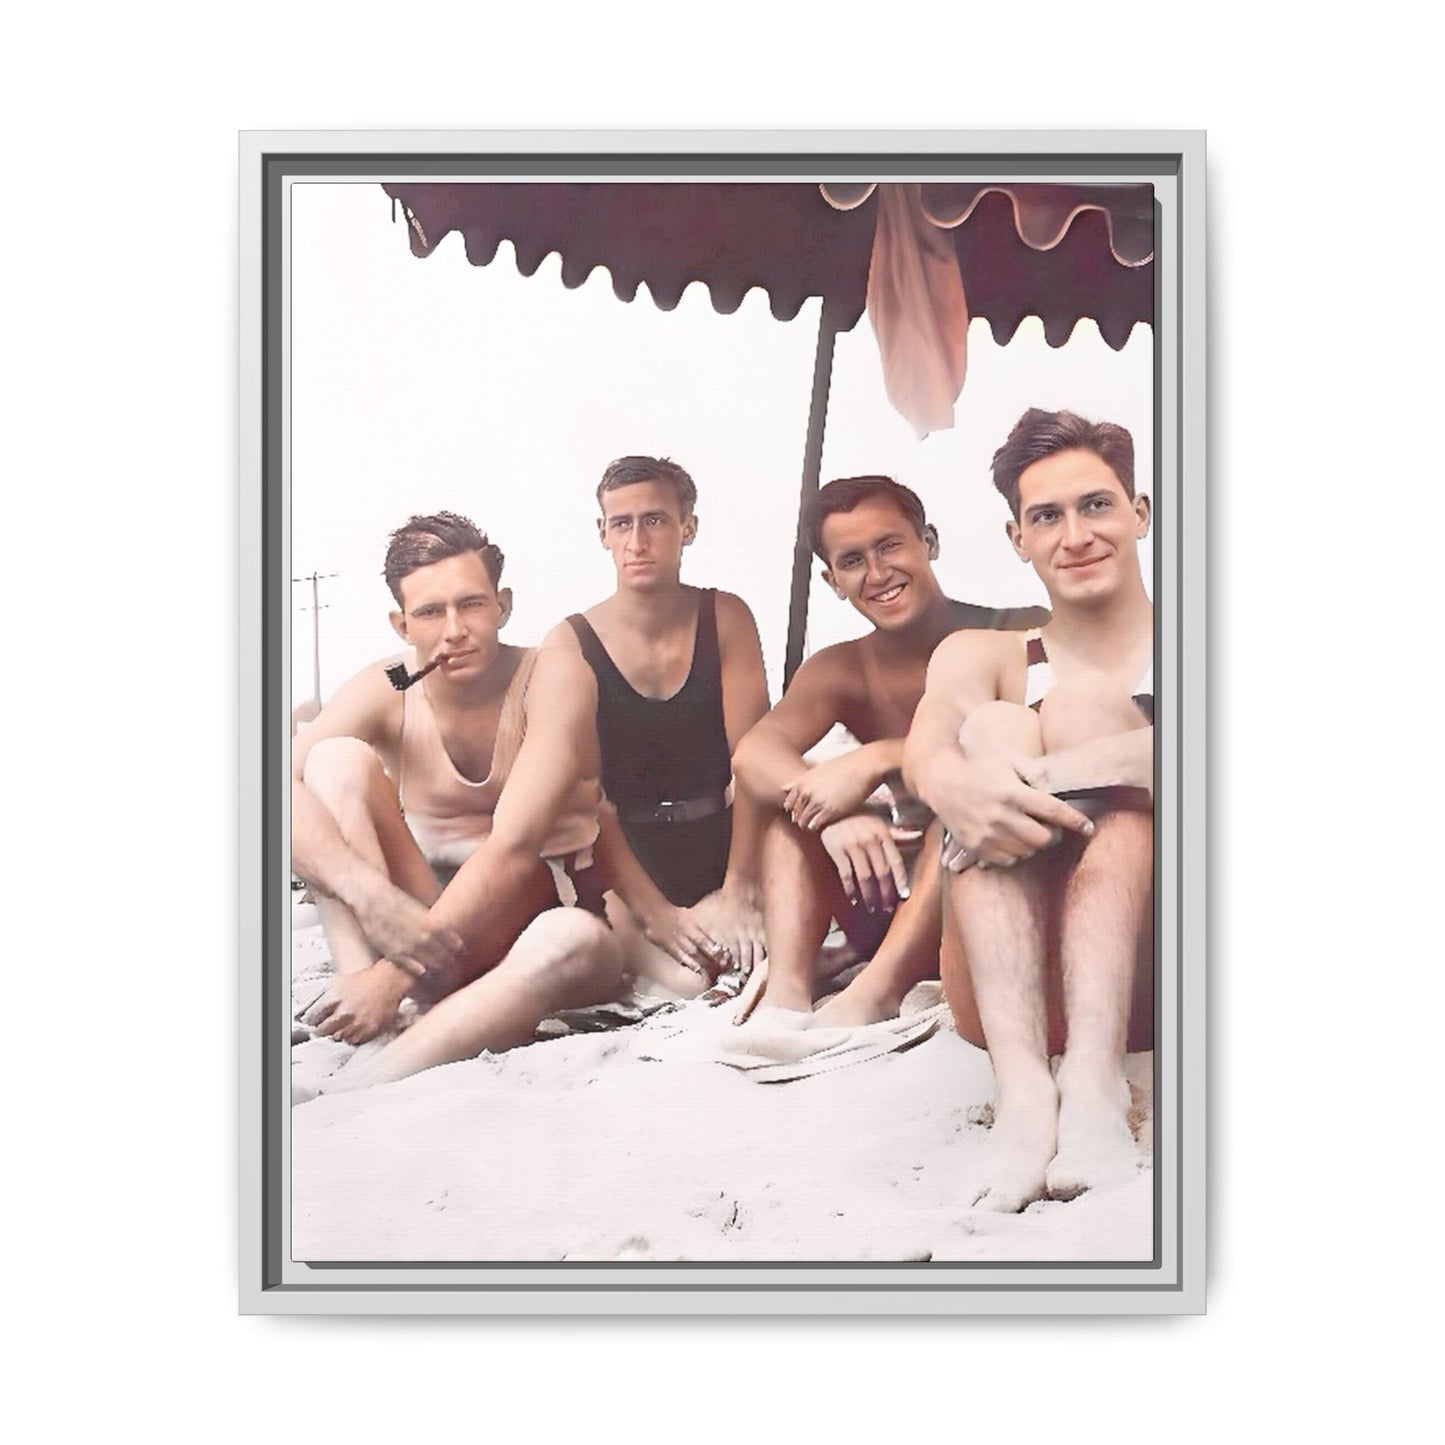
(120, 384)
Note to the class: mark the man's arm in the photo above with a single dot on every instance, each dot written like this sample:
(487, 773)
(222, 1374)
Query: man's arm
(984, 802)
(558, 751)
(1122, 759)
(816, 794)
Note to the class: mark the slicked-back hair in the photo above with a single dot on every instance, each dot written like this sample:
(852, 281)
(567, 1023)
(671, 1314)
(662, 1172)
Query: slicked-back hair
(846, 493)
(424, 540)
(626, 471)
(1038, 434)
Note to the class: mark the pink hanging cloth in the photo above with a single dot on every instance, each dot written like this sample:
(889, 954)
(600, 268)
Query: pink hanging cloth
(918, 310)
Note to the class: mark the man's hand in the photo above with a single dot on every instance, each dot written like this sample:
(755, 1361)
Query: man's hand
(864, 850)
(681, 934)
(997, 819)
(733, 918)
(829, 791)
(359, 1006)
(401, 929)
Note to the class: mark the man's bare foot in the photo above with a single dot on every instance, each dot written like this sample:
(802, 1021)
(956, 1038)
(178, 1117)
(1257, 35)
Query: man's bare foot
(1096, 1147)
(1020, 1145)
(781, 1034)
(854, 1007)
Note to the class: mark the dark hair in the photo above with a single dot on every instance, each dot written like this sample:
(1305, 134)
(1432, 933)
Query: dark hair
(424, 540)
(847, 492)
(627, 470)
(1038, 434)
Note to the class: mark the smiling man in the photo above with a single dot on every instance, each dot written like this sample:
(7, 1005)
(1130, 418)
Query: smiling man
(1049, 905)
(679, 680)
(441, 826)
(824, 856)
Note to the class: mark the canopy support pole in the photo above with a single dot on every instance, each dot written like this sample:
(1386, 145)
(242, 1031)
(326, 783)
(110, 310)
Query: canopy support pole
(812, 468)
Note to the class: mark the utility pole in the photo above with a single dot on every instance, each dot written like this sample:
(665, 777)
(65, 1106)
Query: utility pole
(316, 579)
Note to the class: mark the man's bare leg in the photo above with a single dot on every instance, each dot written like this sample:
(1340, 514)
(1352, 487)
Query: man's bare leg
(1107, 897)
(801, 896)
(567, 958)
(347, 776)
(647, 962)
(907, 955)
(1001, 917)
(1106, 902)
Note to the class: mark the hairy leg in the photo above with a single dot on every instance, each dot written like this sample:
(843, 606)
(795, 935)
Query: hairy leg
(908, 953)
(801, 897)
(567, 958)
(998, 976)
(347, 776)
(1107, 899)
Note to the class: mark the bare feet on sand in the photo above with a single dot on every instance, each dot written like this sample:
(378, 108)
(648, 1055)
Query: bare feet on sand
(1096, 1147)
(782, 1034)
(1022, 1141)
(854, 1007)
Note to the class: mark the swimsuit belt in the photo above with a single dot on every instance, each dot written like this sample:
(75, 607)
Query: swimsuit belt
(686, 810)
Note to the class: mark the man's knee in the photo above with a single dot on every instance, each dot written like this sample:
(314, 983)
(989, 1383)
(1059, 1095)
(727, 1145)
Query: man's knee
(1001, 727)
(340, 768)
(571, 951)
(1070, 716)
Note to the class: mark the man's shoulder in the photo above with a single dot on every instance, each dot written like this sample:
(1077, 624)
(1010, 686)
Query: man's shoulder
(371, 691)
(731, 610)
(971, 647)
(365, 706)
(834, 671)
(556, 666)
(563, 636)
(971, 616)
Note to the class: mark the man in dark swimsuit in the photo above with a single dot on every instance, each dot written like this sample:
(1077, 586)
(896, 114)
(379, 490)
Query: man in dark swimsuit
(680, 679)
(826, 856)
(1048, 944)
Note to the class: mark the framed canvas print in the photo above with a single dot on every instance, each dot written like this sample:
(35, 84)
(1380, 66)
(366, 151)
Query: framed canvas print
(723, 661)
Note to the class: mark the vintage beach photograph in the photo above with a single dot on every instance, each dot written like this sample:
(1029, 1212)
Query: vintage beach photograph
(721, 663)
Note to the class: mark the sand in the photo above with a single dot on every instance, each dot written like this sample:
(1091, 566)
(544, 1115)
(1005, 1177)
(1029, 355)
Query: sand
(637, 1145)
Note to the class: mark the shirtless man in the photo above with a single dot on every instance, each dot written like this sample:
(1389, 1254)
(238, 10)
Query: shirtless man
(1050, 910)
(824, 857)
(679, 680)
(442, 825)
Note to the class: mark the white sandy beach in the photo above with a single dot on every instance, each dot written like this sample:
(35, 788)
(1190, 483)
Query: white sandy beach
(636, 1144)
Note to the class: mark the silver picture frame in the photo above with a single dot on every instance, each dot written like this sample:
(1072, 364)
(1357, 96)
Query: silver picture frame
(1173, 1282)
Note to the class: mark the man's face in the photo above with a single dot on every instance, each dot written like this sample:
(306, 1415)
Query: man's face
(452, 608)
(879, 563)
(643, 527)
(1078, 527)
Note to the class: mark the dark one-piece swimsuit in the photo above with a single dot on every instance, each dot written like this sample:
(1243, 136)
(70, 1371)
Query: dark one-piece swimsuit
(666, 765)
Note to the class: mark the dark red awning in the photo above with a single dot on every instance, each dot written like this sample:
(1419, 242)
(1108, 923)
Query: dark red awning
(1059, 252)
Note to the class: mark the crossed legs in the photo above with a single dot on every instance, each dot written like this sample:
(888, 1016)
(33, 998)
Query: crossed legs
(1045, 961)
(566, 958)
(523, 959)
